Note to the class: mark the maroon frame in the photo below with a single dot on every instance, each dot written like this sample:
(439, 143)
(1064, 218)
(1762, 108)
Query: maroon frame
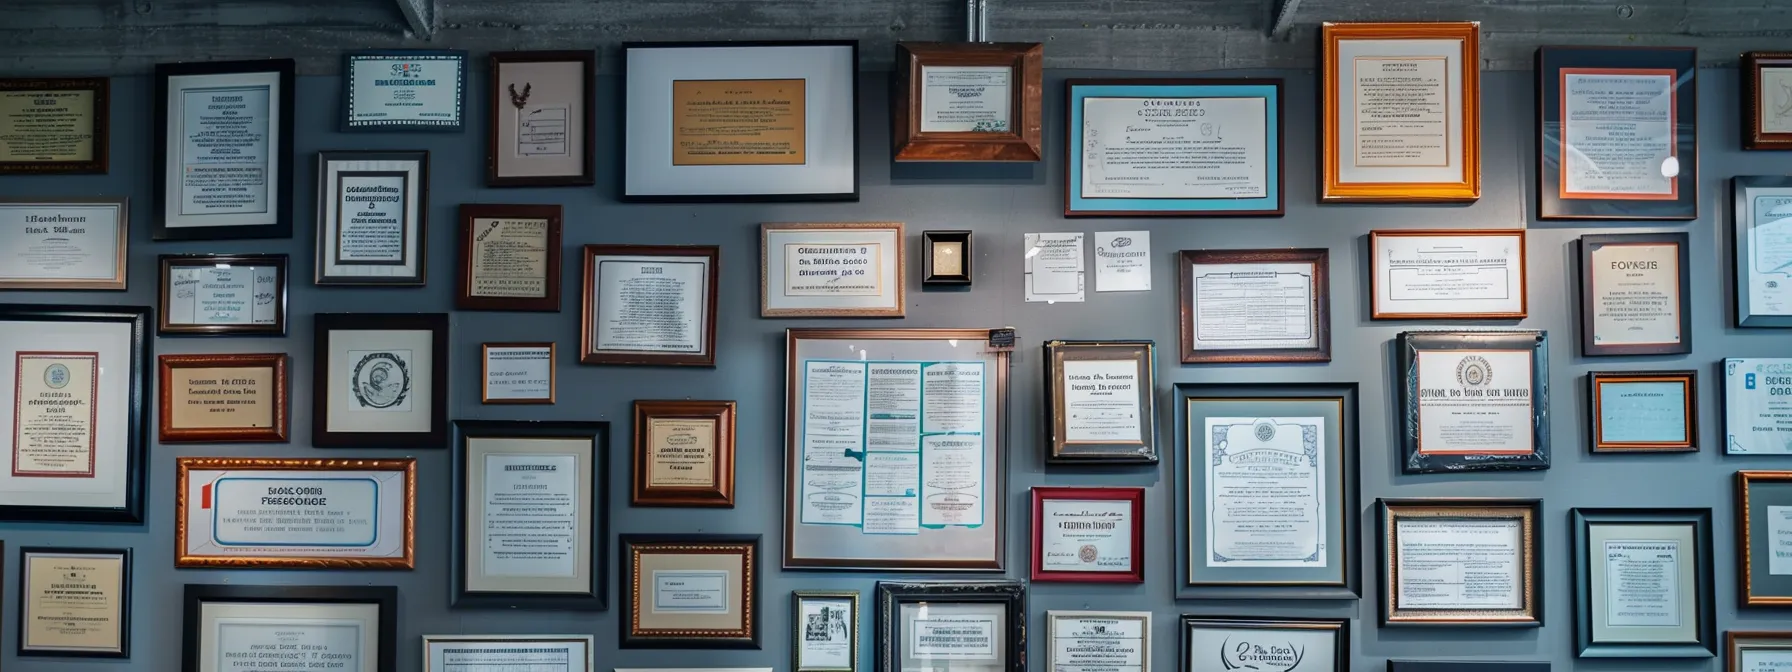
(1134, 495)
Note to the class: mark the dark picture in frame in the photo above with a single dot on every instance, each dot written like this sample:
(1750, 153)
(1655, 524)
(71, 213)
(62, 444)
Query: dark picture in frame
(968, 101)
(1635, 297)
(60, 124)
(1217, 284)
(909, 612)
(1766, 104)
(369, 612)
(221, 295)
(1643, 411)
(1617, 133)
(543, 120)
(1101, 402)
(1088, 535)
(660, 611)
(1643, 585)
(1507, 537)
(1473, 400)
(379, 380)
(509, 258)
(253, 98)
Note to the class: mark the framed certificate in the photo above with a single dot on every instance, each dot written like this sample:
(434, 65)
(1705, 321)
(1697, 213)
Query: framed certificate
(740, 121)
(1101, 402)
(1402, 112)
(221, 295)
(1125, 152)
(325, 514)
(1618, 133)
(532, 515)
(1644, 411)
(1287, 644)
(1643, 584)
(225, 142)
(237, 398)
(1635, 297)
(509, 258)
(69, 243)
(1242, 306)
(1767, 100)
(1464, 666)
(1764, 528)
(353, 627)
(1747, 651)
(543, 122)
(1111, 640)
(684, 454)
(379, 380)
(970, 626)
(491, 653)
(690, 591)
(1448, 274)
(825, 631)
(1427, 545)
(649, 305)
(968, 101)
(1474, 400)
(1758, 407)
(75, 602)
(1763, 266)
(372, 208)
(835, 269)
(946, 259)
(1088, 535)
(386, 90)
(516, 373)
(55, 126)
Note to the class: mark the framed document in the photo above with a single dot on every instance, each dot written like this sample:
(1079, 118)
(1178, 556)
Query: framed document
(1644, 411)
(1642, 584)
(1461, 562)
(1767, 100)
(372, 208)
(72, 423)
(69, 243)
(1256, 306)
(75, 602)
(386, 90)
(1760, 223)
(1267, 491)
(947, 259)
(1474, 400)
(273, 513)
(976, 626)
(740, 121)
(1755, 651)
(509, 258)
(516, 373)
(1448, 274)
(224, 399)
(1464, 666)
(690, 591)
(55, 126)
(499, 653)
(1758, 407)
(1130, 148)
(380, 380)
(835, 269)
(225, 142)
(353, 627)
(868, 412)
(649, 304)
(1088, 535)
(1402, 112)
(1101, 402)
(1764, 527)
(532, 515)
(1282, 644)
(1618, 133)
(1634, 294)
(684, 454)
(221, 295)
(542, 120)
(825, 631)
(1106, 640)
(968, 101)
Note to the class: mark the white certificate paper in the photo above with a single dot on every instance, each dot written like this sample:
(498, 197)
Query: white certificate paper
(1402, 111)
(1054, 267)
(1098, 643)
(1769, 260)
(1123, 261)
(59, 241)
(1265, 484)
(513, 373)
(690, 591)
(826, 627)
(531, 526)
(1175, 148)
(1102, 401)
(1642, 583)
(221, 149)
(1085, 535)
(1475, 401)
(651, 304)
(501, 653)
(1758, 406)
(1779, 533)
(1636, 294)
(1253, 306)
(1618, 134)
(1460, 564)
(1765, 660)
(961, 99)
(1449, 274)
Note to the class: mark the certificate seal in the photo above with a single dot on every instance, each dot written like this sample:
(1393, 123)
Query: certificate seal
(1474, 371)
(1264, 431)
(1087, 553)
(56, 376)
(381, 380)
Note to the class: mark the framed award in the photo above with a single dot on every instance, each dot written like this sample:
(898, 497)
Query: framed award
(1495, 540)
(387, 90)
(1643, 584)
(1464, 666)
(1756, 650)
(69, 243)
(951, 625)
(55, 126)
(649, 305)
(221, 295)
(320, 514)
(372, 209)
(1100, 400)
(1473, 400)
(825, 625)
(834, 269)
(75, 602)
(1448, 274)
(1757, 406)
(1762, 205)
(509, 258)
(1644, 411)
(1290, 644)
(1116, 640)
(1219, 287)
(690, 591)
(236, 398)
(1635, 294)
(1401, 118)
(1767, 100)
(353, 627)
(684, 454)
(1088, 535)
(1764, 519)
(543, 124)
(379, 380)
(968, 101)
(516, 373)
(946, 261)
(1618, 133)
(224, 134)
(459, 653)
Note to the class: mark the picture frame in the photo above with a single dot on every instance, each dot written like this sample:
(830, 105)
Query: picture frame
(1744, 646)
(1631, 320)
(670, 85)
(1428, 75)
(205, 607)
(1648, 412)
(1198, 633)
(525, 146)
(728, 560)
(378, 535)
(1663, 186)
(404, 90)
(62, 255)
(396, 232)
(1760, 510)
(1464, 666)
(1469, 357)
(1430, 274)
(517, 373)
(1755, 406)
(572, 648)
(250, 391)
(1647, 549)
(1765, 121)
(1110, 422)
(802, 269)
(995, 606)
(74, 602)
(607, 338)
(83, 148)
(411, 414)
(946, 261)
(676, 442)
(509, 258)
(1229, 280)
(242, 89)
(1088, 535)
(995, 109)
(1127, 635)
(1518, 522)
(1761, 281)
(203, 294)
(815, 624)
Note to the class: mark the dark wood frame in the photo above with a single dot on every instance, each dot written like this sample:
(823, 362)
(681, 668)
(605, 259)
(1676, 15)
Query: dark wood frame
(281, 191)
(891, 595)
(1588, 245)
(1340, 628)
(588, 175)
(102, 113)
(1331, 188)
(436, 324)
(589, 296)
(1144, 452)
(326, 193)
(463, 288)
(1745, 543)
(346, 122)
(1407, 348)
(767, 277)
(279, 432)
(1595, 427)
(1752, 67)
(720, 412)
(1319, 258)
(124, 601)
(120, 277)
(1530, 511)
(1734, 643)
(932, 278)
(1026, 90)
(184, 466)
(796, 627)
(167, 262)
(744, 545)
(1741, 222)
(1582, 521)
(485, 373)
(198, 594)
(1524, 287)
(1135, 496)
(1550, 204)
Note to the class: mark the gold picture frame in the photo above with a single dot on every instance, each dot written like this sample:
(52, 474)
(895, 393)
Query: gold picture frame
(1529, 515)
(200, 483)
(1389, 176)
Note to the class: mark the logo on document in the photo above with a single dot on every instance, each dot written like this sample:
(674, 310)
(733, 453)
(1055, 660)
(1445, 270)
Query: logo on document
(1474, 371)
(1748, 381)
(1087, 553)
(382, 381)
(56, 376)
(1245, 655)
(1264, 431)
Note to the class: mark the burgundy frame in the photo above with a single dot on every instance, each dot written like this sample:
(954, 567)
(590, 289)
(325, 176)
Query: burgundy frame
(1134, 495)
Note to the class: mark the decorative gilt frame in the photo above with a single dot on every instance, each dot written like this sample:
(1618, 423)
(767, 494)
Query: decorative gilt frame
(1026, 92)
(1595, 427)
(796, 627)
(1582, 521)
(1331, 187)
(168, 262)
(102, 112)
(588, 354)
(891, 595)
(120, 277)
(1057, 444)
(1319, 258)
(1745, 479)
(279, 432)
(1133, 496)
(463, 286)
(1753, 66)
(633, 546)
(901, 266)
(183, 466)
(587, 59)
(1529, 512)
(485, 373)
(1588, 245)
(722, 495)
(1375, 310)
(1735, 641)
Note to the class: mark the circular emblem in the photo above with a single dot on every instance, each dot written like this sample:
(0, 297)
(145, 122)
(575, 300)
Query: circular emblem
(1265, 431)
(1474, 372)
(1087, 553)
(56, 376)
(381, 380)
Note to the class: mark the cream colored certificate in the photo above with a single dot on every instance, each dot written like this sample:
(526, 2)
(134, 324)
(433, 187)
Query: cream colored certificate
(222, 398)
(46, 126)
(54, 417)
(1402, 111)
(738, 122)
(510, 258)
(681, 453)
(72, 602)
(948, 258)
(1636, 294)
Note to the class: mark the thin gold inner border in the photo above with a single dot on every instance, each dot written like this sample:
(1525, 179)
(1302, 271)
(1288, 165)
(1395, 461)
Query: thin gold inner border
(1527, 519)
(745, 551)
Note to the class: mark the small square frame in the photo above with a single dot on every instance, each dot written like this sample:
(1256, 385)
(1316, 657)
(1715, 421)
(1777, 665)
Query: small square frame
(722, 494)
(930, 276)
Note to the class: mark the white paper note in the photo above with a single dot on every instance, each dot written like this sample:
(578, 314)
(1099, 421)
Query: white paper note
(1054, 266)
(1123, 261)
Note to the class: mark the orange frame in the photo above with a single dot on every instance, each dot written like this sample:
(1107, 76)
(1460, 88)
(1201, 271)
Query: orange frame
(1332, 188)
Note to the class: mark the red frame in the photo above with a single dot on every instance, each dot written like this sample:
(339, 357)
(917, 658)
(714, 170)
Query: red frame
(1134, 495)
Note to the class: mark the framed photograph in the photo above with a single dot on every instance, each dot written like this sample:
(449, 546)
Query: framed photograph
(684, 135)
(366, 521)
(543, 122)
(509, 258)
(1448, 274)
(1644, 411)
(690, 591)
(1763, 210)
(968, 101)
(354, 627)
(72, 405)
(947, 260)
(1634, 294)
(457, 653)
(516, 373)
(1464, 666)
(834, 269)
(1755, 650)
(75, 602)
(65, 243)
(684, 454)
(1424, 541)
(1088, 535)
(1101, 402)
(1642, 584)
(532, 515)
(221, 295)
(225, 142)
(825, 631)
(1115, 123)
(1286, 644)
(975, 625)
(1402, 112)
(1618, 133)
(1757, 407)
(236, 398)
(858, 439)
(1766, 100)
(1764, 516)
(1290, 448)
(649, 305)
(55, 126)
(379, 380)
(1220, 286)
(1111, 640)
(1473, 400)
(372, 213)
(387, 90)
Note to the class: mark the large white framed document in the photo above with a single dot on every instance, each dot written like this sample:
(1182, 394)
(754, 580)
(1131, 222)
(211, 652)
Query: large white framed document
(1448, 274)
(1757, 406)
(353, 628)
(1402, 112)
(224, 135)
(295, 513)
(66, 243)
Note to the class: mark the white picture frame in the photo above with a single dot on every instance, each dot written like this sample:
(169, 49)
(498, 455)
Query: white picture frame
(1448, 274)
(87, 241)
(803, 269)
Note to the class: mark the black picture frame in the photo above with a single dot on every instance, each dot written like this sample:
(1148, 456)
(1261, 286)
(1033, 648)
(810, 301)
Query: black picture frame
(168, 262)
(1681, 64)
(197, 595)
(282, 225)
(1743, 193)
(346, 122)
(1408, 347)
(1582, 522)
(324, 323)
(629, 582)
(1530, 612)
(326, 196)
(1059, 449)
(1588, 246)
(1464, 666)
(1185, 627)
(587, 60)
(930, 276)
(891, 595)
(124, 601)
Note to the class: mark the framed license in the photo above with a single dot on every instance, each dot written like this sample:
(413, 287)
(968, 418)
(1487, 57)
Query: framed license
(858, 439)
(968, 101)
(1116, 123)
(684, 454)
(68, 243)
(1101, 402)
(690, 591)
(516, 373)
(72, 423)
(1764, 520)
(1767, 100)
(1474, 400)
(649, 305)
(1464, 666)
(379, 380)
(1290, 448)
(221, 295)
(825, 625)
(1287, 644)
(386, 90)
(532, 515)
(509, 258)
(1427, 543)
(1763, 268)
(1075, 640)
(225, 138)
(490, 653)
(741, 121)
(281, 513)
(1642, 584)
(1750, 651)
(836, 269)
(353, 627)
(1618, 133)
(542, 120)
(1757, 407)
(1448, 274)
(1286, 294)
(1634, 298)
(1402, 112)
(372, 208)
(237, 398)
(55, 125)
(1088, 535)
(1644, 411)
(947, 259)
(75, 602)
(970, 626)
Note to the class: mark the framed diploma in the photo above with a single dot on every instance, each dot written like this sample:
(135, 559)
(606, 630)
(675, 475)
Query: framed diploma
(55, 126)
(1618, 133)
(1762, 255)
(542, 120)
(1756, 651)
(835, 269)
(1758, 407)
(690, 591)
(224, 399)
(499, 653)
(1643, 584)
(684, 454)
(1088, 535)
(947, 260)
(371, 212)
(1242, 306)
(1764, 530)
(1644, 411)
(1448, 274)
(532, 515)
(1282, 644)
(1464, 666)
(649, 305)
(280, 513)
(75, 602)
(69, 243)
(509, 258)
(740, 121)
(354, 628)
(386, 90)
(971, 626)
(1766, 100)
(825, 631)
(1101, 402)
(1461, 562)
(516, 373)
(1402, 112)
(968, 101)
(1474, 400)
(1129, 148)
(1106, 640)
(868, 412)
(1635, 297)
(379, 380)
(225, 142)
(221, 295)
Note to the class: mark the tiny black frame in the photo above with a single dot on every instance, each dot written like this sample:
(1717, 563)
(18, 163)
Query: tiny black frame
(436, 324)
(930, 273)
(275, 295)
(1060, 448)
(199, 594)
(1705, 597)
(281, 191)
(1529, 513)
(891, 595)
(348, 124)
(1471, 374)
(1679, 65)
(123, 603)
(1590, 300)
(1688, 442)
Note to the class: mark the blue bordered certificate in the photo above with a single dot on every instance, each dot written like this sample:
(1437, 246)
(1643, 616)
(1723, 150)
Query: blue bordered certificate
(295, 513)
(404, 90)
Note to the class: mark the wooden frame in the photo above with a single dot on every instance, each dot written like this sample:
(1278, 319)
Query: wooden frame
(587, 61)
(403, 72)
(590, 353)
(276, 297)
(553, 643)
(1755, 100)
(1555, 199)
(721, 492)
(330, 200)
(123, 602)
(1338, 627)
(99, 134)
(1689, 408)
(898, 308)
(1471, 374)
(1380, 312)
(1529, 513)
(1135, 570)
(1589, 246)
(1704, 599)
(549, 301)
(1332, 187)
(277, 432)
(280, 164)
(210, 496)
(121, 244)
(1736, 643)
(434, 323)
(1019, 141)
(1060, 448)
(1771, 290)
(796, 627)
(1319, 306)
(196, 595)
(485, 373)
(937, 243)
(1746, 518)
(1011, 596)
(635, 546)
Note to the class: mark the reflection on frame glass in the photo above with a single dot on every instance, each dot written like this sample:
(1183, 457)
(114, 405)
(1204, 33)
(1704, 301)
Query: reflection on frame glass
(690, 591)
(63, 243)
(222, 295)
(224, 399)
(1101, 402)
(56, 126)
(1618, 133)
(379, 380)
(1218, 286)
(1767, 100)
(1634, 294)
(368, 521)
(1290, 644)
(973, 626)
(1473, 400)
(1423, 542)
(1426, 76)
(1643, 583)
(825, 631)
(75, 602)
(354, 627)
(1644, 411)
(1758, 221)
